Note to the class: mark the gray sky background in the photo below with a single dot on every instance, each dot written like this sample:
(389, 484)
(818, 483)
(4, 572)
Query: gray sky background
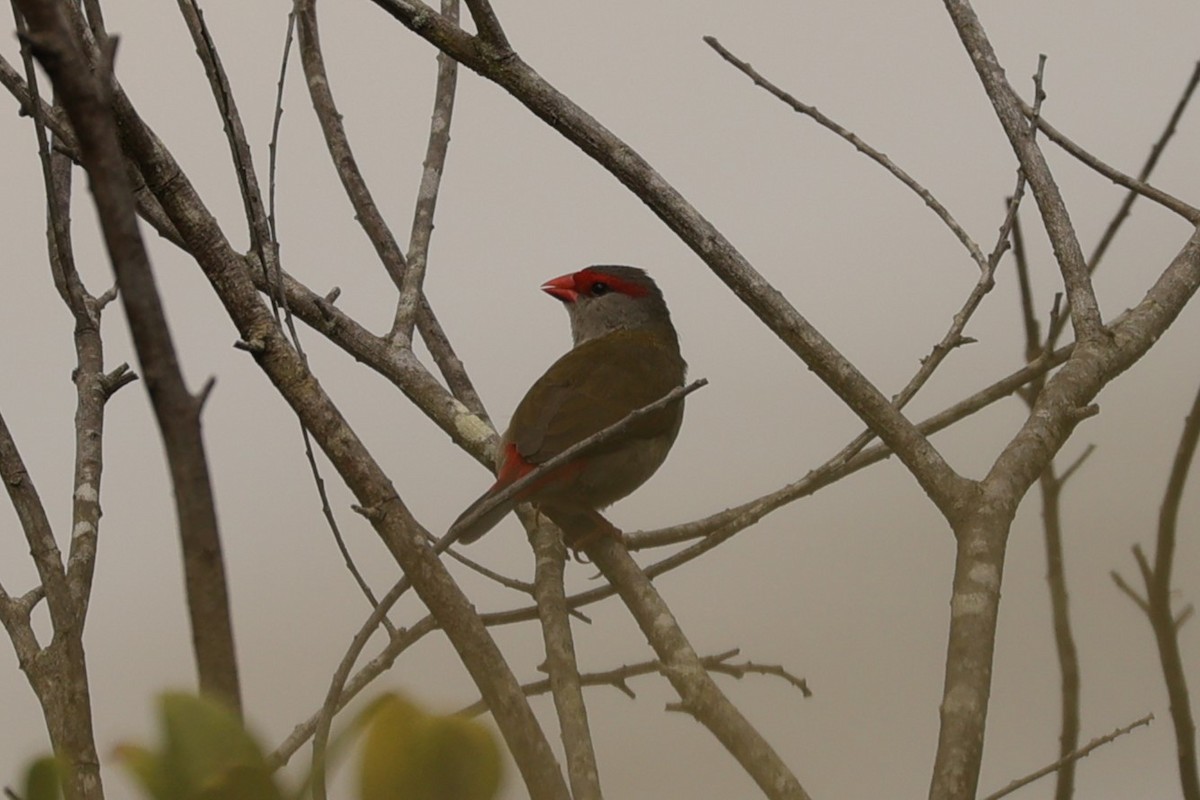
(848, 589)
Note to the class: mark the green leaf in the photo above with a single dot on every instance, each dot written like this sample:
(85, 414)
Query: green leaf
(206, 755)
(411, 755)
(43, 779)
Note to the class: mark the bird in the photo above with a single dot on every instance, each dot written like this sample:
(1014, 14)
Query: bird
(625, 355)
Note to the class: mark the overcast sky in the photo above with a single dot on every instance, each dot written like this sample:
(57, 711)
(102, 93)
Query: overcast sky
(848, 589)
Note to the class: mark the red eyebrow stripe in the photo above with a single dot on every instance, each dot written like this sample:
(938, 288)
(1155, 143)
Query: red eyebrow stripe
(588, 277)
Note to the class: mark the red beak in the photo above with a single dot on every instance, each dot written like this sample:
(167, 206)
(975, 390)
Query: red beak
(562, 288)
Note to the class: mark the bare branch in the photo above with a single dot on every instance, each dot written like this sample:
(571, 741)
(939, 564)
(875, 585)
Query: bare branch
(465, 427)
(86, 99)
(1074, 466)
(509, 583)
(1051, 486)
(725, 523)
(89, 378)
(1139, 556)
(339, 540)
(618, 678)
(1183, 616)
(276, 126)
(261, 240)
(1086, 750)
(550, 556)
(1136, 186)
(341, 155)
(1157, 605)
(864, 148)
(1156, 151)
(698, 693)
(488, 25)
(1033, 335)
(34, 106)
(427, 195)
(15, 617)
(36, 527)
(367, 212)
(118, 377)
(740, 671)
(404, 639)
(1129, 591)
(953, 337)
(334, 696)
(148, 206)
(1085, 313)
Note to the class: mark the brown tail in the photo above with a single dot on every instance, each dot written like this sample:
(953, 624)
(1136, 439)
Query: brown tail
(476, 520)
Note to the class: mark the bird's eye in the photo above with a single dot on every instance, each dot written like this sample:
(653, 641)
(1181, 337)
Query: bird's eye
(599, 288)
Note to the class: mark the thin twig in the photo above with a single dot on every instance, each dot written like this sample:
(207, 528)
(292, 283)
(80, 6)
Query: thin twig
(1070, 758)
(404, 639)
(257, 222)
(864, 148)
(337, 683)
(740, 671)
(411, 288)
(731, 520)
(35, 524)
(1074, 466)
(954, 337)
(1136, 187)
(1129, 591)
(279, 301)
(525, 587)
(1156, 151)
(1157, 603)
(488, 25)
(62, 260)
(619, 677)
(276, 126)
(1033, 335)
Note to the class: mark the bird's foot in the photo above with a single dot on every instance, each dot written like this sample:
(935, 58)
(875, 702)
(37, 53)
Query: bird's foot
(582, 528)
(579, 538)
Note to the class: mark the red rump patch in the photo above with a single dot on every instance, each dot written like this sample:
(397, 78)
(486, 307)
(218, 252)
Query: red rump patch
(516, 467)
(513, 467)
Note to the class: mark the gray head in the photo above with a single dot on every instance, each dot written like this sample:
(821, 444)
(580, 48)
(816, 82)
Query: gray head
(606, 298)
